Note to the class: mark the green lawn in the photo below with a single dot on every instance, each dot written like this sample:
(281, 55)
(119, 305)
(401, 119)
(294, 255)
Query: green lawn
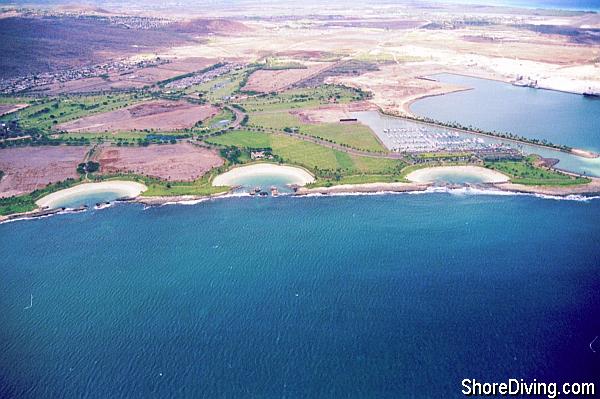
(353, 135)
(319, 159)
(525, 172)
(222, 115)
(163, 188)
(274, 119)
(199, 187)
(216, 89)
(107, 136)
(242, 138)
(301, 98)
(358, 179)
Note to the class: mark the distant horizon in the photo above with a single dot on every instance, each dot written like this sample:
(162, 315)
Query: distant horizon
(571, 5)
(577, 5)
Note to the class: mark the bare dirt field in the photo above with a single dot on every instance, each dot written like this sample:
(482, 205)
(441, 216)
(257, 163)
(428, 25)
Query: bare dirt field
(160, 115)
(331, 113)
(181, 162)
(395, 86)
(266, 81)
(29, 168)
(9, 108)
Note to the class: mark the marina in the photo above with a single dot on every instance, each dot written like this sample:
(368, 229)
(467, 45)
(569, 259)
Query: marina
(557, 117)
(490, 146)
(415, 138)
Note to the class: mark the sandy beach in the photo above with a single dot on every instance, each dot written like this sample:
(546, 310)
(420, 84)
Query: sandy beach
(124, 188)
(295, 175)
(483, 175)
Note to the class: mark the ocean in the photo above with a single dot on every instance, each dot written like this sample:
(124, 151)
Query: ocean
(387, 296)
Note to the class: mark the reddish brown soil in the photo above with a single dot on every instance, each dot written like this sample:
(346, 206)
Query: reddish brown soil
(29, 168)
(266, 81)
(332, 113)
(138, 79)
(9, 108)
(181, 162)
(158, 115)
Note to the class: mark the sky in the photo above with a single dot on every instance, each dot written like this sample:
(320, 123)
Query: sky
(586, 5)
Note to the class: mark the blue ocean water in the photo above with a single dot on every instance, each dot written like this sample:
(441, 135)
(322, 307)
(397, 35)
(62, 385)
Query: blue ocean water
(561, 118)
(373, 296)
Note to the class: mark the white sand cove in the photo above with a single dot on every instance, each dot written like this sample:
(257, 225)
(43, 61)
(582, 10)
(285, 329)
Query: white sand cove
(123, 188)
(293, 174)
(457, 174)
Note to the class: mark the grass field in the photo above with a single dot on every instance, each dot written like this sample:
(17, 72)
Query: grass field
(198, 187)
(242, 138)
(353, 135)
(358, 179)
(224, 114)
(217, 89)
(301, 98)
(323, 161)
(525, 172)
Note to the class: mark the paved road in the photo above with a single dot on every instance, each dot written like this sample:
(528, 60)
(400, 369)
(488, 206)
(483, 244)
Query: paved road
(239, 117)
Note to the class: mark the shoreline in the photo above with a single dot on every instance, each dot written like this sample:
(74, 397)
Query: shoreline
(163, 200)
(297, 175)
(363, 188)
(562, 191)
(428, 174)
(124, 188)
(406, 105)
(408, 114)
(585, 190)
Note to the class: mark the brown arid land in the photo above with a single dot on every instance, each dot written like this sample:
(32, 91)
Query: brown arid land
(332, 113)
(266, 81)
(553, 49)
(137, 79)
(181, 162)
(6, 109)
(159, 115)
(30, 168)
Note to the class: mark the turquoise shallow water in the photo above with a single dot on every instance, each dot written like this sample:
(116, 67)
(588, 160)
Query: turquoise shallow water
(264, 182)
(88, 199)
(561, 118)
(370, 296)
